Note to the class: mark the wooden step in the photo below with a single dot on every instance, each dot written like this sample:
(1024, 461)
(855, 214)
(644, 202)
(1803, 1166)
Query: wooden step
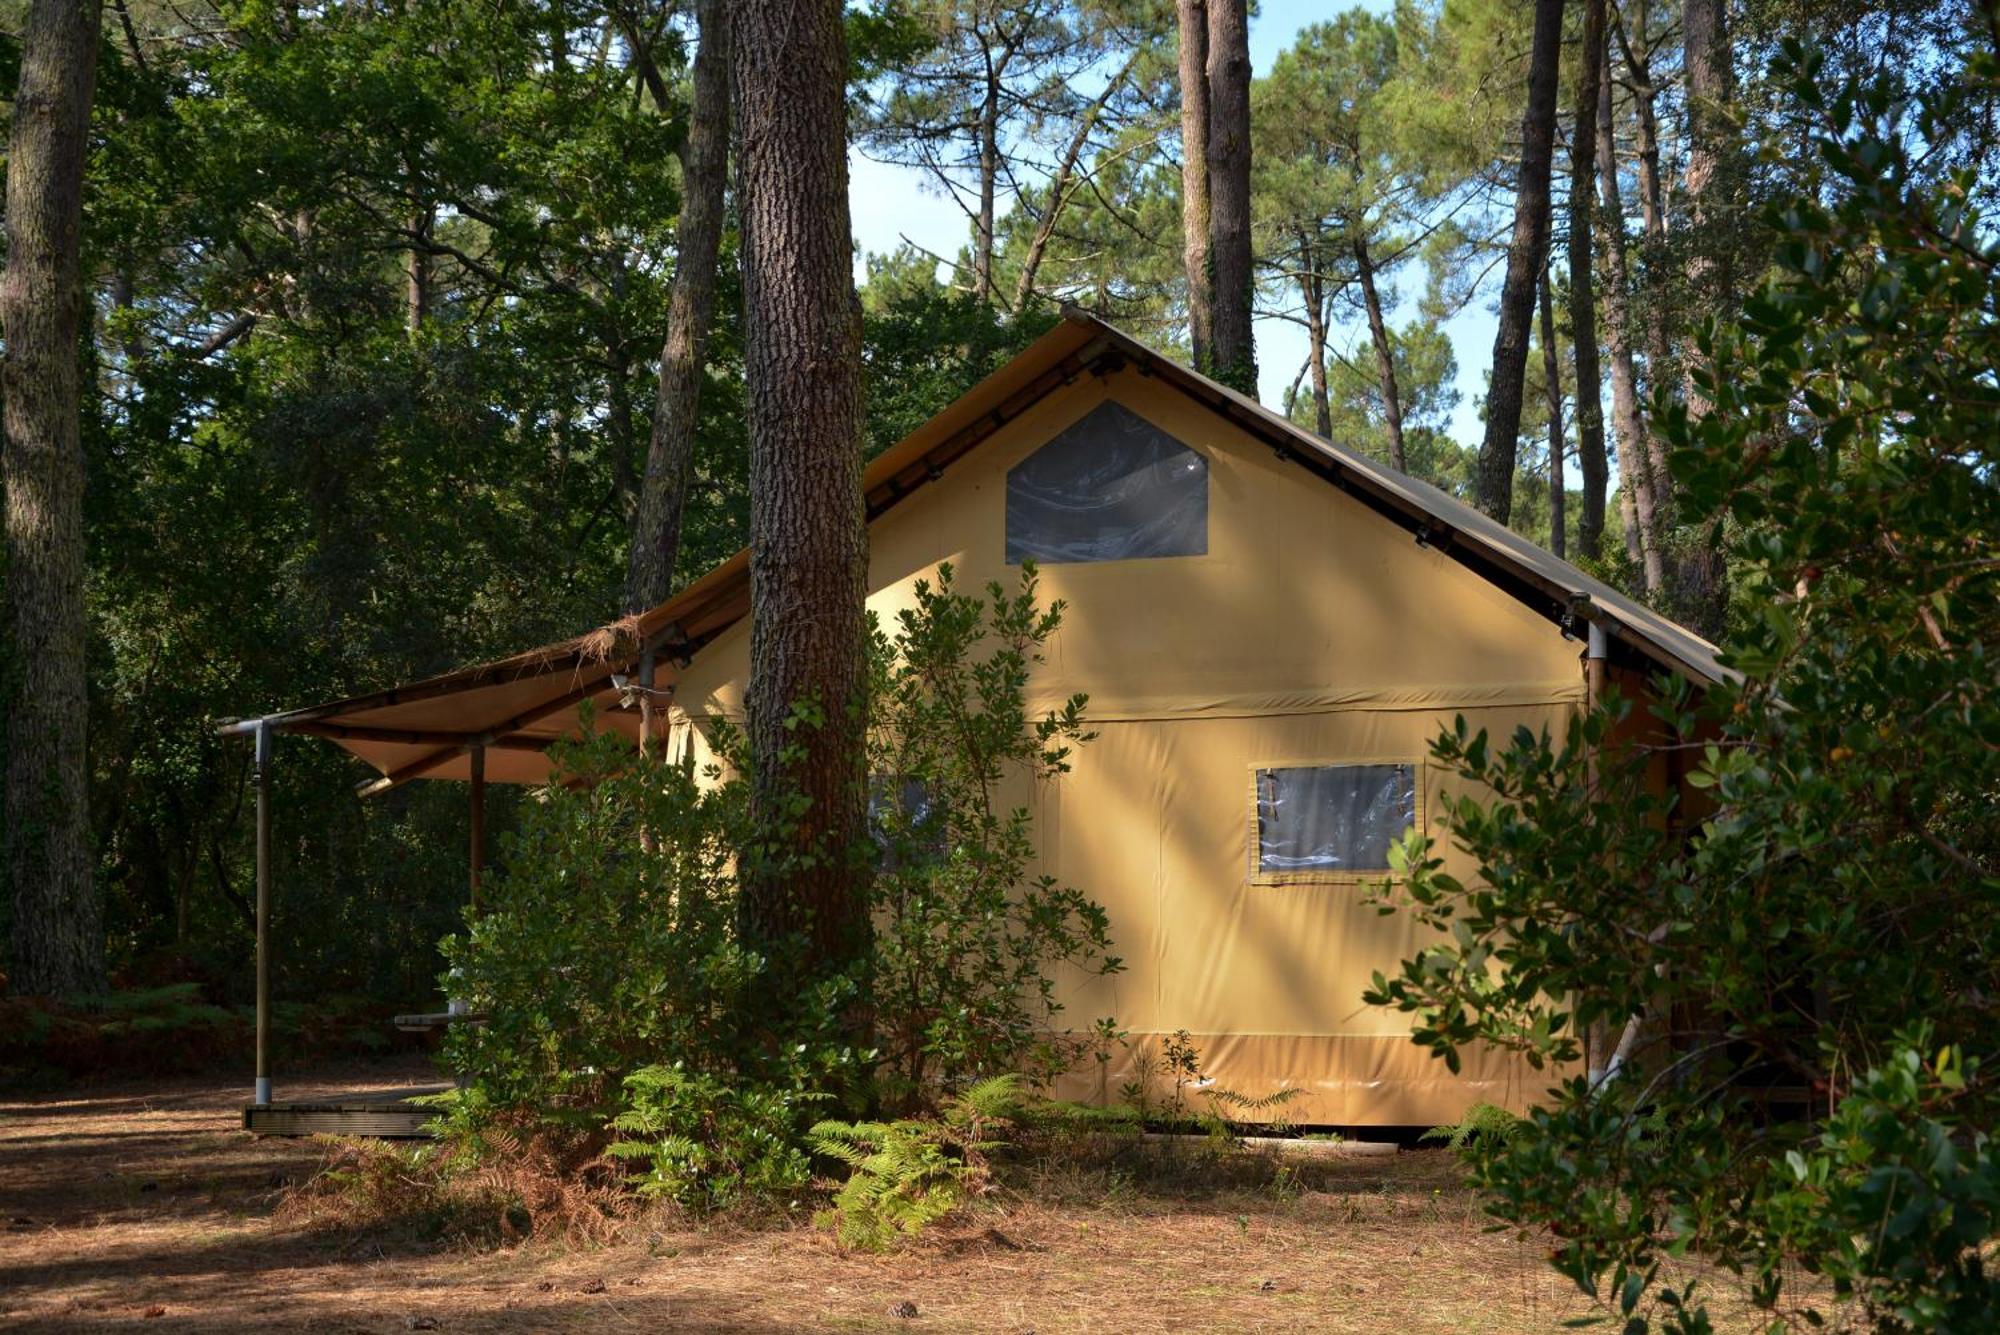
(426, 1021)
(386, 1116)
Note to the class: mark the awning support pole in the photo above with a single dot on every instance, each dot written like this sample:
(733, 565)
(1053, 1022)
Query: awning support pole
(263, 912)
(477, 817)
(1597, 649)
(1596, 653)
(647, 674)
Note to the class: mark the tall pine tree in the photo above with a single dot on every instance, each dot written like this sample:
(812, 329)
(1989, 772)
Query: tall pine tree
(1494, 483)
(58, 933)
(808, 544)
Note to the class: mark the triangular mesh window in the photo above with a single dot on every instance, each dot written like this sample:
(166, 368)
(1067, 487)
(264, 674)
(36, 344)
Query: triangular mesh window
(1111, 487)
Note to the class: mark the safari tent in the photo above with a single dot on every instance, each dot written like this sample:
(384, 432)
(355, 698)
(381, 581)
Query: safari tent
(1270, 628)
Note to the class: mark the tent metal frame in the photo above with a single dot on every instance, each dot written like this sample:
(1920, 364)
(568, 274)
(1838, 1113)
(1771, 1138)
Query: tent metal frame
(263, 734)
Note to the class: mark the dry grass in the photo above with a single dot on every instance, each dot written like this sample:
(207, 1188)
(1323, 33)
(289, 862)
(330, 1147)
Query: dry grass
(145, 1207)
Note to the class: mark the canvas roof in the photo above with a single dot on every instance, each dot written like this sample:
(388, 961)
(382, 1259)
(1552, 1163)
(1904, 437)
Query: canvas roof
(517, 705)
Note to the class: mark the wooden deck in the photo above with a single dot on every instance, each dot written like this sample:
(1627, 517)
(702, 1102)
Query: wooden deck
(388, 1115)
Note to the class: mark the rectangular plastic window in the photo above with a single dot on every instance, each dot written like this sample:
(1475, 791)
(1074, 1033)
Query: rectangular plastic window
(1332, 818)
(901, 820)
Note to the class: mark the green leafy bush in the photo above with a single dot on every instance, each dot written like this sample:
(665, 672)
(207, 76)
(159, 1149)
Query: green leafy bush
(967, 944)
(905, 1175)
(609, 945)
(1746, 987)
(596, 956)
(1899, 1200)
(610, 980)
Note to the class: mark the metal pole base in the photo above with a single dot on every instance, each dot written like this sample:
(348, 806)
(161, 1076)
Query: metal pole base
(263, 1091)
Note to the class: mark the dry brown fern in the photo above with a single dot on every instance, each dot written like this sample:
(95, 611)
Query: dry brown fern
(554, 1183)
(519, 1182)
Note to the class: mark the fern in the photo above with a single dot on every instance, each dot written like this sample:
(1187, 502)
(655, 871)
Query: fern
(1481, 1121)
(905, 1175)
(1063, 1116)
(704, 1144)
(1228, 1108)
(996, 1101)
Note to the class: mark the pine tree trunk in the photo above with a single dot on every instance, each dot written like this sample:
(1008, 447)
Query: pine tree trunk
(1583, 286)
(1705, 66)
(1701, 589)
(1635, 462)
(1493, 485)
(808, 545)
(1234, 349)
(1194, 179)
(621, 425)
(57, 931)
(1385, 352)
(1652, 190)
(133, 342)
(657, 522)
(417, 277)
(1312, 292)
(1552, 377)
(1652, 203)
(989, 172)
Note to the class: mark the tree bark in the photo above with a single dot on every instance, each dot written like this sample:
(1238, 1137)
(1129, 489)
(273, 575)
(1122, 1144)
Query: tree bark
(1705, 66)
(1233, 351)
(1553, 390)
(132, 342)
(57, 933)
(656, 524)
(1583, 286)
(1652, 193)
(808, 545)
(1652, 200)
(1701, 589)
(620, 412)
(417, 271)
(1193, 16)
(1493, 485)
(1385, 352)
(1312, 292)
(1635, 462)
(989, 172)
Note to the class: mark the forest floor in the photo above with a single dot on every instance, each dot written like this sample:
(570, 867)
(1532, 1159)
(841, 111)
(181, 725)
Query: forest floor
(144, 1206)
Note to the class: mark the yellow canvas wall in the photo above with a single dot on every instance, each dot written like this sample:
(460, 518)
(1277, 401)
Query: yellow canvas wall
(1314, 632)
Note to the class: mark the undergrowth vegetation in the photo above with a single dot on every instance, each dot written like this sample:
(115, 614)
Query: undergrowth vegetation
(608, 1075)
(173, 1029)
(700, 1142)
(1773, 1014)
(905, 1174)
(609, 972)
(873, 1184)
(515, 1182)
